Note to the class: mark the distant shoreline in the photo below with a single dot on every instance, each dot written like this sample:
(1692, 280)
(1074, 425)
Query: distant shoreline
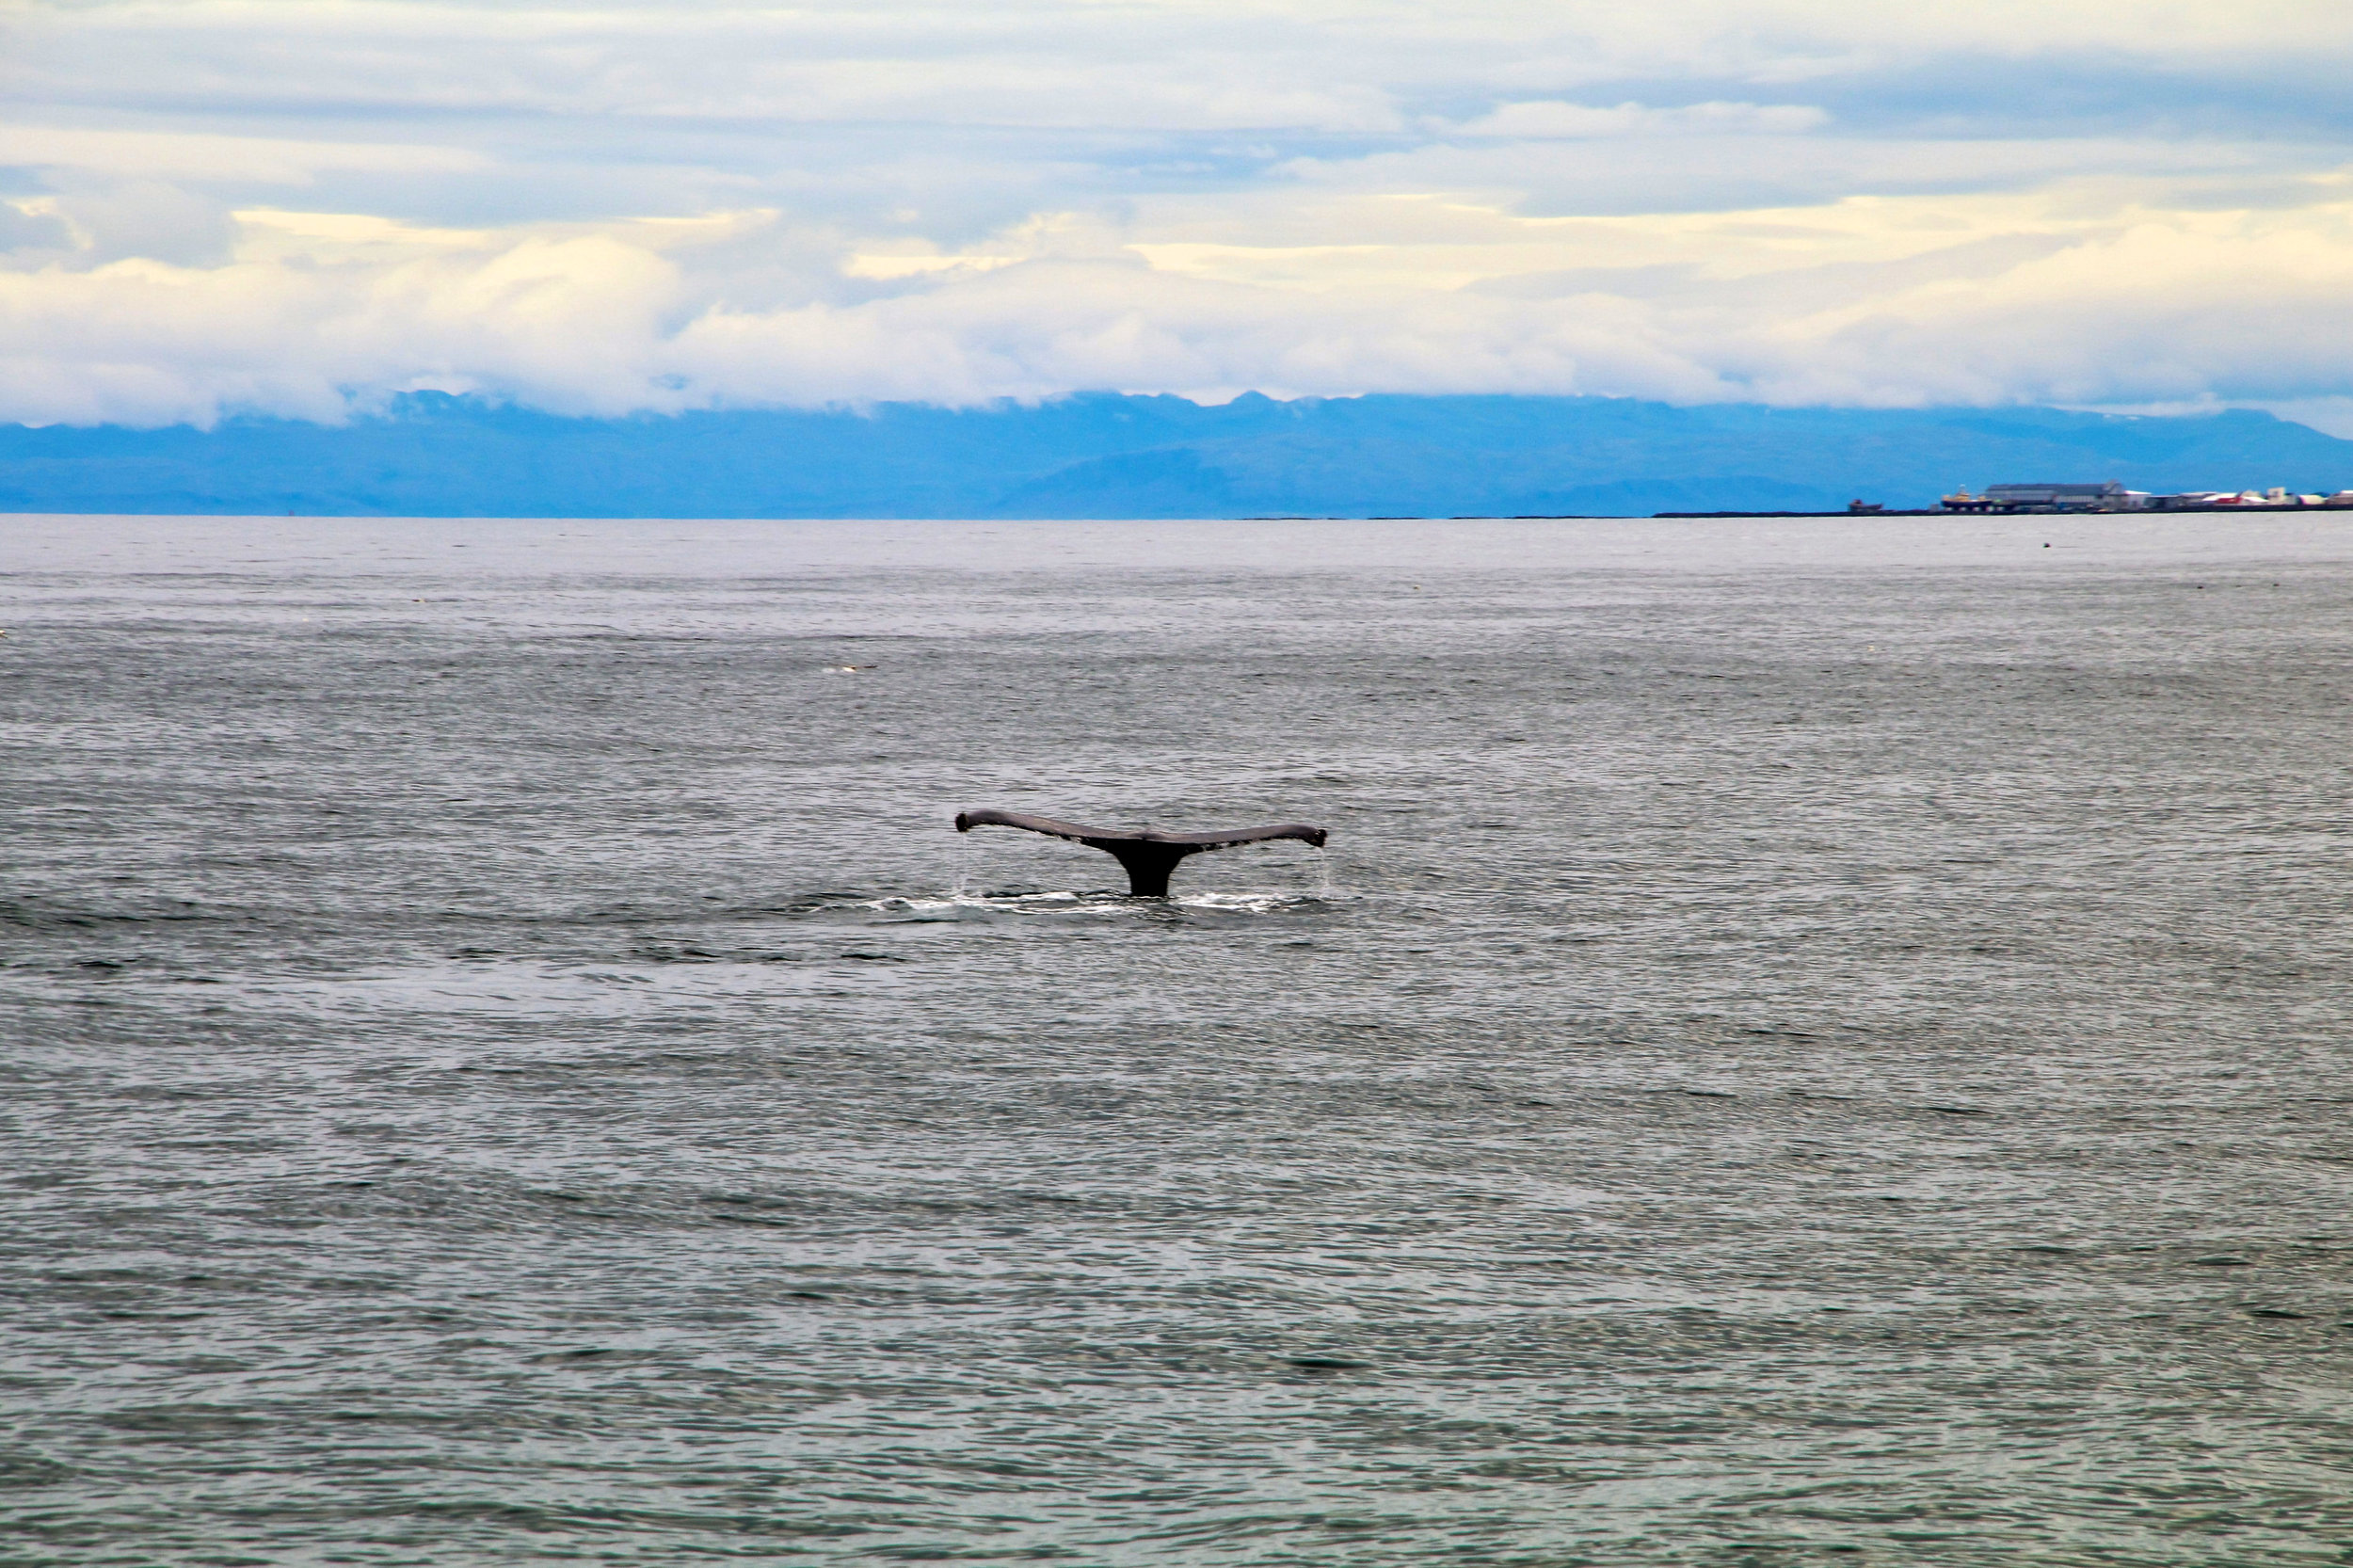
(2019, 512)
(1840, 512)
(1102, 455)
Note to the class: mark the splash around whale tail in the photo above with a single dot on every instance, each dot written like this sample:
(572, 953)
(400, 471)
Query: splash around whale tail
(1147, 857)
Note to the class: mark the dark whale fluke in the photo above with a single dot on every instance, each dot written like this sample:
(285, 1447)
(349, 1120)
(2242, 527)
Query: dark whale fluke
(1147, 857)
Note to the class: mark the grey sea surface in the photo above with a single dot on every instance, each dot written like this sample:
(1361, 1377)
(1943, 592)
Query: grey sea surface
(1814, 1041)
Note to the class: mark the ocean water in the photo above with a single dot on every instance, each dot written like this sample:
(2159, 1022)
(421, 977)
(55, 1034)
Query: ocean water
(1813, 1042)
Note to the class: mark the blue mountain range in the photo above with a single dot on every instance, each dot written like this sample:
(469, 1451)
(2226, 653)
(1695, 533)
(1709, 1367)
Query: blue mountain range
(1105, 455)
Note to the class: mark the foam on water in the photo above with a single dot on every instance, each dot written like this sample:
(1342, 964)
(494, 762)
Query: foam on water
(960, 903)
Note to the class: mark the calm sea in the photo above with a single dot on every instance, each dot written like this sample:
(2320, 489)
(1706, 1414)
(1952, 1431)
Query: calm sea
(1813, 1042)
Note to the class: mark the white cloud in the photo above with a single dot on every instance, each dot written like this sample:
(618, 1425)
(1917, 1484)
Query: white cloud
(1552, 119)
(2075, 297)
(155, 155)
(216, 204)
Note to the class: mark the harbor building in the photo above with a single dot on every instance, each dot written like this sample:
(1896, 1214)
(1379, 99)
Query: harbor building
(2048, 497)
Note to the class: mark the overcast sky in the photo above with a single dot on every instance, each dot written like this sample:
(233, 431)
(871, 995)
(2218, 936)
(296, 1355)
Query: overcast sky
(297, 206)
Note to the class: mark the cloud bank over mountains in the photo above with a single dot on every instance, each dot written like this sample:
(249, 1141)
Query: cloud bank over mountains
(301, 209)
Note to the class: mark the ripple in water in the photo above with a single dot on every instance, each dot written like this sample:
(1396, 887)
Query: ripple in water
(1813, 1043)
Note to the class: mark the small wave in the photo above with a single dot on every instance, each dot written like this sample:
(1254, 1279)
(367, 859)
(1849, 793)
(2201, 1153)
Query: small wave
(968, 905)
(41, 915)
(954, 906)
(1255, 904)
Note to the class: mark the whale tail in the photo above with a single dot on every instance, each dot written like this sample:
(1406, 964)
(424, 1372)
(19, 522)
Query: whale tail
(1148, 866)
(1147, 857)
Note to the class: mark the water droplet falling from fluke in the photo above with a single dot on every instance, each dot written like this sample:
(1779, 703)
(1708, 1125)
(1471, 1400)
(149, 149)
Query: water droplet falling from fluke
(965, 849)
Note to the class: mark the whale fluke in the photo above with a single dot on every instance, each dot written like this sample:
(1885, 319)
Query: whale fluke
(1149, 856)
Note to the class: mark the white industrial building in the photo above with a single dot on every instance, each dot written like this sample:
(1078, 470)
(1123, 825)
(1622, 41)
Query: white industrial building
(2113, 497)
